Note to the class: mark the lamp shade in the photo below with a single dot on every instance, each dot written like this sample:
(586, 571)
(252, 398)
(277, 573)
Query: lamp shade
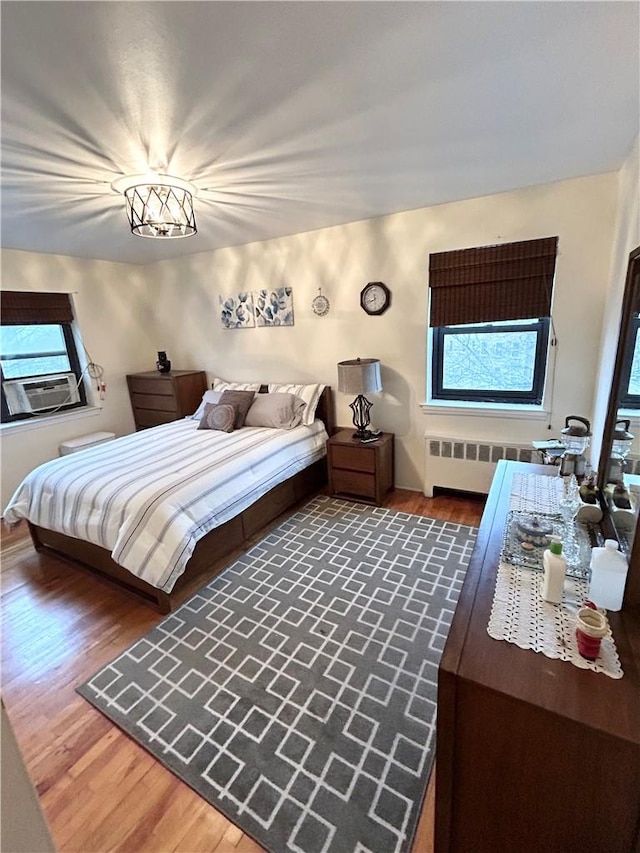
(359, 376)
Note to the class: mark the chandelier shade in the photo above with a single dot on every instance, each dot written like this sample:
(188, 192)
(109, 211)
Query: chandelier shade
(158, 206)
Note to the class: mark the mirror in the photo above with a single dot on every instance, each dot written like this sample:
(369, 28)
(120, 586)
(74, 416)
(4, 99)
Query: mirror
(619, 466)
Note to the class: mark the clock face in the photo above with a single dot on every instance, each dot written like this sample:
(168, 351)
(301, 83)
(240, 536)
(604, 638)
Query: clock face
(375, 298)
(320, 305)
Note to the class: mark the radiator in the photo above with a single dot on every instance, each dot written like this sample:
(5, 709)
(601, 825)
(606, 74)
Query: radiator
(467, 464)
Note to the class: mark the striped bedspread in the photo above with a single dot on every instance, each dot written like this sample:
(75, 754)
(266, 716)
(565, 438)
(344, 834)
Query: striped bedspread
(149, 497)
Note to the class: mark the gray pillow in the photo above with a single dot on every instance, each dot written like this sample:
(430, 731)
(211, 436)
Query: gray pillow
(279, 411)
(218, 416)
(241, 401)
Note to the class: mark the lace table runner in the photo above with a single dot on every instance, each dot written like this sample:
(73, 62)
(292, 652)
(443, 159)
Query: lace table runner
(535, 493)
(521, 616)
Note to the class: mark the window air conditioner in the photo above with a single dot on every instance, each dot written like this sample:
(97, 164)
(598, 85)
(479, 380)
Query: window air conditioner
(41, 393)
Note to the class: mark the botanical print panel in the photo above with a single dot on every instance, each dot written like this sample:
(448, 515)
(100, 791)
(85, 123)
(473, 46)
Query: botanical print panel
(274, 307)
(236, 312)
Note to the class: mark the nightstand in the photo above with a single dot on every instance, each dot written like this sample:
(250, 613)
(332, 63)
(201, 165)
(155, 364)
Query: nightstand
(158, 398)
(357, 471)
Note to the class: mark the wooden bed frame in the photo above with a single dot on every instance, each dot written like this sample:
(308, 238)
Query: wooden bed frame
(233, 534)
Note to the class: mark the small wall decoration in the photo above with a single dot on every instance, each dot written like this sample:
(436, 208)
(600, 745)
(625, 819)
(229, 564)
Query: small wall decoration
(237, 312)
(274, 307)
(320, 304)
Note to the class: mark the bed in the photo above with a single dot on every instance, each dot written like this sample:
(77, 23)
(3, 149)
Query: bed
(141, 513)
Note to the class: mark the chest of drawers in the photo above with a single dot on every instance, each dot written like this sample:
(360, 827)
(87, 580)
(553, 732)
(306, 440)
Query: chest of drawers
(158, 398)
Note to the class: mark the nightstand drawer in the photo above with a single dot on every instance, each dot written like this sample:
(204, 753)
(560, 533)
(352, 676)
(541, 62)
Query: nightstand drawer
(353, 483)
(353, 458)
(154, 401)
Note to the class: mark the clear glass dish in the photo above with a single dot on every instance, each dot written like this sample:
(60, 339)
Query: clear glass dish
(587, 536)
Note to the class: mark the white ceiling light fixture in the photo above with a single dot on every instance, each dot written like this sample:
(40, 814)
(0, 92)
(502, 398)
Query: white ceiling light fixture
(158, 206)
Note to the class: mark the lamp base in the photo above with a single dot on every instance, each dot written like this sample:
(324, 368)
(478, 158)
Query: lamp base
(361, 420)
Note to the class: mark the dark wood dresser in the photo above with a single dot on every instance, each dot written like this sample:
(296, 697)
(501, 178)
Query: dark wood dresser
(532, 753)
(358, 471)
(157, 398)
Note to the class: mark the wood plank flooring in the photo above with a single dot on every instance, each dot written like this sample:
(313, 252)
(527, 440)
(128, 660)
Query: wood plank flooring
(98, 789)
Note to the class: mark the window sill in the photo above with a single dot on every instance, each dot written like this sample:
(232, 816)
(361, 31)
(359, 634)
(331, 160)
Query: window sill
(484, 410)
(49, 420)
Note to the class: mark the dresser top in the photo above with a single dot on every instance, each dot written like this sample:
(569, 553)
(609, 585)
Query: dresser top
(155, 374)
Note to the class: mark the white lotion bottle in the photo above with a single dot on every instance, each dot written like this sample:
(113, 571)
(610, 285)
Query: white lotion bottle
(555, 568)
(608, 576)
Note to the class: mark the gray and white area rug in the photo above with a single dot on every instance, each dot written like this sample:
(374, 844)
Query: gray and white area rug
(296, 692)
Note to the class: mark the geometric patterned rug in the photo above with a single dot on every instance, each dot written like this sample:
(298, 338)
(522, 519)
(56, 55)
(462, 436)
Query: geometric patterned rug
(296, 692)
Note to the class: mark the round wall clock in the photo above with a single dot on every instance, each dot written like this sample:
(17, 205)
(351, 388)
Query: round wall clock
(320, 304)
(375, 298)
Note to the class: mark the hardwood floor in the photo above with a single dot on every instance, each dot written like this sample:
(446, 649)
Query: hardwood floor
(98, 789)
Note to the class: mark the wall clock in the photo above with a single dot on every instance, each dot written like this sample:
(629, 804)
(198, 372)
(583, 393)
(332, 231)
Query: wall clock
(320, 304)
(375, 298)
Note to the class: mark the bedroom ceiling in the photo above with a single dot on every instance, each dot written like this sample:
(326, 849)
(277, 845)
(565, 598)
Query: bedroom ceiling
(295, 116)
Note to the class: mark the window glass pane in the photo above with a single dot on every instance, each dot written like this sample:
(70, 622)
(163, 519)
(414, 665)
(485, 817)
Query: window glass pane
(489, 361)
(41, 350)
(634, 377)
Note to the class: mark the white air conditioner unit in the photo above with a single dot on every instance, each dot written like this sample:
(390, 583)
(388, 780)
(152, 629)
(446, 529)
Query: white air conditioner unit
(39, 394)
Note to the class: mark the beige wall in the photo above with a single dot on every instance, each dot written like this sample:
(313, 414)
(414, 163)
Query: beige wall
(395, 249)
(127, 313)
(111, 302)
(626, 238)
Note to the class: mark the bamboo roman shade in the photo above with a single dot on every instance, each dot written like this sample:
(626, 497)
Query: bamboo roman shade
(28, 308)
(513, 281)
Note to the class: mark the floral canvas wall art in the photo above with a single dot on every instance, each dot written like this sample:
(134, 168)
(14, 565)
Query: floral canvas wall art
(274, 307)
(236, 312)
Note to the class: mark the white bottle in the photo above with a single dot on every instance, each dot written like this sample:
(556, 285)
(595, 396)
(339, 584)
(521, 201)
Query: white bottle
(608, 576)
(555, 567)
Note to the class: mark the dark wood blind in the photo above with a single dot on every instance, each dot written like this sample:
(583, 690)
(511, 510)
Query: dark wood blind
(23, 308)
(513, 281)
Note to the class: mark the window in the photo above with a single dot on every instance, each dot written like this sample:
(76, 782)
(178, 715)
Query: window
(490, 311)
(490, 362)
(630, 380)
(40, 370)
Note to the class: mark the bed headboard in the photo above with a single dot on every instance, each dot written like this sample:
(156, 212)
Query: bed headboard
(325, 411)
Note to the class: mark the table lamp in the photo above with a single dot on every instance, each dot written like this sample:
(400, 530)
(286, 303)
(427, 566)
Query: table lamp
(360, 376)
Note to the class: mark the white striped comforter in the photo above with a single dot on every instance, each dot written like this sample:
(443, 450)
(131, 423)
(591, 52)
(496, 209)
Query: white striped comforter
(149, 497)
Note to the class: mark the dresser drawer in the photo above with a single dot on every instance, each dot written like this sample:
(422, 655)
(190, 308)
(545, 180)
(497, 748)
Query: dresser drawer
(154, 401)
(353, 483)
(353, 458)
(163, 387)
(150, 418)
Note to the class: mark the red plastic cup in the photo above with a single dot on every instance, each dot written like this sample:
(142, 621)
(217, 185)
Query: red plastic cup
(591, 627)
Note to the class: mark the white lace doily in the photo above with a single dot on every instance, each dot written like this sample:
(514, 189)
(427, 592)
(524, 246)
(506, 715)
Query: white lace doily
(535, 493)
(520, 615)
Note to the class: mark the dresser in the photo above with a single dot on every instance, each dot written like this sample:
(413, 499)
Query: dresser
(532, 753)
(158, 398)
(358, 471)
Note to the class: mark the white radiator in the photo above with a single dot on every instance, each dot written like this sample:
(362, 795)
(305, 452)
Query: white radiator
(467, 464)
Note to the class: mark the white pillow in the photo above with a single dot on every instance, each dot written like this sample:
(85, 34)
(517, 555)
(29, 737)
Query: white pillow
(309, 393)
(207, 397)
(221, 385)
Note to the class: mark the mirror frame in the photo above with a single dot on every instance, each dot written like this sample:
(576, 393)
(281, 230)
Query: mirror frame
(630, 298)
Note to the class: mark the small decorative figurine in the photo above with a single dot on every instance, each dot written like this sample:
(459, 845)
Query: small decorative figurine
(163, 364)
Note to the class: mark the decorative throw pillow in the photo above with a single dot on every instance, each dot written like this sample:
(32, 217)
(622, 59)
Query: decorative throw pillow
(220, 416)
(241, 401)
(222, 385)
(309, 393)
(207, 397)
(279, 411)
